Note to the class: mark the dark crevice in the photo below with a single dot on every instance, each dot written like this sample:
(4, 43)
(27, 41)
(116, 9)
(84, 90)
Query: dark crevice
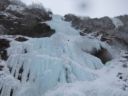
(1, 67)
(25, 51)
(28, 75)
(59, 77)
(19, 77)
(20, 73)
(14, 73)
(10, 69)
(3, 54)
(11, 92)
(1, 90)
(103, 54)
(4, 44)
(58, 80)
(66, 75)
(21, 69)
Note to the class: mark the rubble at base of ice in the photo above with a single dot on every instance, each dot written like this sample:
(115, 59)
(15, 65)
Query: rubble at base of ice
(61, 65)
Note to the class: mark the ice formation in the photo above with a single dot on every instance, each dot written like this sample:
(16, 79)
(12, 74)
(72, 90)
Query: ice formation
(117, 22)
(60, 65)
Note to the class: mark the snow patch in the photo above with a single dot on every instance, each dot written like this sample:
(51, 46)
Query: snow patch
(117, 22)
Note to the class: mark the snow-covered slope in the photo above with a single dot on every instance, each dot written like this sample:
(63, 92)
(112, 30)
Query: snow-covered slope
(62, 65)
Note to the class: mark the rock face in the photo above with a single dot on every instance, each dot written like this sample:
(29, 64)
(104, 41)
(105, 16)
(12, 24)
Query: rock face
(105, 26)
(38, 11)
(3, 30)
(103, 55)
(123, 30)
(18, 19)
(94, 25)
(4, 4)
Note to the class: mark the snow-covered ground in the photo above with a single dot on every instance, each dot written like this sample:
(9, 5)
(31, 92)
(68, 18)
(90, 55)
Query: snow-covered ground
(62, 65)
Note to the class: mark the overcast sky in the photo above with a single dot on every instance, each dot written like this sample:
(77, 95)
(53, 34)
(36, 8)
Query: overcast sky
(92, 8)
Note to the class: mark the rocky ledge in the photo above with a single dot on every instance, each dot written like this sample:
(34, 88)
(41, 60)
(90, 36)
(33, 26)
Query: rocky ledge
(18, 19)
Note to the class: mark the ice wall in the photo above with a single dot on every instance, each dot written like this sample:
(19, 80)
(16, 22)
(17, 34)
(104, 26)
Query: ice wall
(41, 64)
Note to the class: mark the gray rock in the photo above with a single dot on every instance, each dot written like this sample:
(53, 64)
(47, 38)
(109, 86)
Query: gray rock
(4, 4)
(3, 30)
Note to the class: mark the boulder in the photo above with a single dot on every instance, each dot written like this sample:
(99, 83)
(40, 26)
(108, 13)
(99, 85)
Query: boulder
(21, 39)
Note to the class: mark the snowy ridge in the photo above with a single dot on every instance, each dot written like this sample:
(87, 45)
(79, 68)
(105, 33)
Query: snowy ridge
(61, 65)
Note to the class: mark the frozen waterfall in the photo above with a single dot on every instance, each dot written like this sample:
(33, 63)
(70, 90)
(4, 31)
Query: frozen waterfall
(62, 63)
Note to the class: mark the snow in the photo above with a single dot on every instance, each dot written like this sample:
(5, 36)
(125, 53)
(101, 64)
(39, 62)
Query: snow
(15, 8)
(117, 22)
(61, 65)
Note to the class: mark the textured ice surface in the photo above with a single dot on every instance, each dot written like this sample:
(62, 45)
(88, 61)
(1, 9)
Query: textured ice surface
(107, 83)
